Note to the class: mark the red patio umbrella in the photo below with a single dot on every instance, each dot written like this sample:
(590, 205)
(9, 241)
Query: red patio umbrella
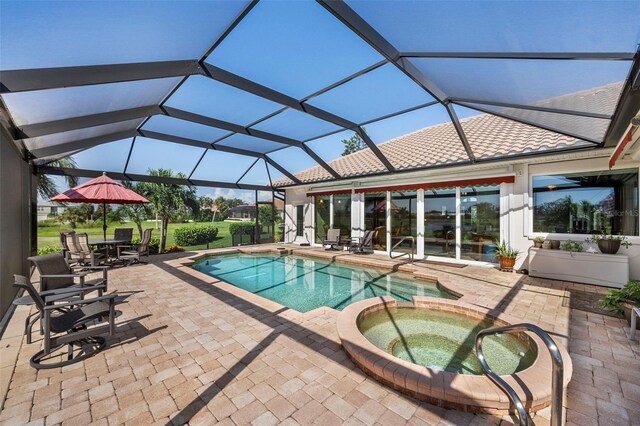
(103, 190)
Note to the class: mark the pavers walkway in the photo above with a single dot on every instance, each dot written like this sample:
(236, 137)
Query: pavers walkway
(190, 350)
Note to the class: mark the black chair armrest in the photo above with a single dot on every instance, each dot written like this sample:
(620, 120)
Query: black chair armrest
(110, 296)
(95, 268)
(69, 290)
(76, 275)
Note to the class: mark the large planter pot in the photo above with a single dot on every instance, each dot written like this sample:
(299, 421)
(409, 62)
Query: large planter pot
(507, 263)
(555, 244)
(627, 305)
(609, 246)
(546, 244)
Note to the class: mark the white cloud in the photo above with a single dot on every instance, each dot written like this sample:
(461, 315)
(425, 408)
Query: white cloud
(246, 196)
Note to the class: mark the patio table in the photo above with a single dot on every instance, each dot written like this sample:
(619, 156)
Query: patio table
(107, 243)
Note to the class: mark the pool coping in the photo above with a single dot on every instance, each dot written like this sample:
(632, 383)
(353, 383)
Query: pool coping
(472, 393)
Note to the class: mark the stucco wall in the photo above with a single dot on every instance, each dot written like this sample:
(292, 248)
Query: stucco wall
(14, 219)
(515, 201)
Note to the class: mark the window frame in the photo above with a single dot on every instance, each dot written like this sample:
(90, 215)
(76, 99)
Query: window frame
(571, 169)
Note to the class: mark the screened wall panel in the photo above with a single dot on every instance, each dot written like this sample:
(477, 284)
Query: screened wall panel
(585, 127)
(490, 136)
(204, 96)
(57, 104)
(296, 48)
(296, 125)
(385, 130)
(151, 154)
(109, 157)
(221, 166)
(499, 26)
(257, 175)
(293, 159)
(250, 143)
(572, 85)
(74, 135)
(380, 92)
(57, 34)
(183, 128)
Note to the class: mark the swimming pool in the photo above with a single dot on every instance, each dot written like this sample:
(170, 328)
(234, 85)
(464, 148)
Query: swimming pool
(305, 284)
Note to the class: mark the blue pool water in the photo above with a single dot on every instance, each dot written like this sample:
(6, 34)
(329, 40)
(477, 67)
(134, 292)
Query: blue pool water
(305, 284)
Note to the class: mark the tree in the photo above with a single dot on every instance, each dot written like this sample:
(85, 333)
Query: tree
(168, 200)
(353, 144)
(47, 187)
(73, 215)
(137, 213)
(205, 203)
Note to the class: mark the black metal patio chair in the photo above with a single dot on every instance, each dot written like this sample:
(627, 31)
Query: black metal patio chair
(77, 327)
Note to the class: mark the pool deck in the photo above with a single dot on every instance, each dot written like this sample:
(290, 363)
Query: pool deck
(191, 349)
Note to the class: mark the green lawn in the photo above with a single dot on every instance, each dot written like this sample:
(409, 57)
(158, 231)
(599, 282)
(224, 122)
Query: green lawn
(49, 236)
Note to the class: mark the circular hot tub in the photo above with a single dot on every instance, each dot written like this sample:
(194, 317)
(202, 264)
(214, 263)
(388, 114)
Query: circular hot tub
(426, 349)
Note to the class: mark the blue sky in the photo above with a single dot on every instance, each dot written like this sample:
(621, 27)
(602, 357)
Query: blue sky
(298, 48)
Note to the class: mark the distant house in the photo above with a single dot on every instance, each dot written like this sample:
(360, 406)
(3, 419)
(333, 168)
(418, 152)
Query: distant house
(46, 208)
(243, 212)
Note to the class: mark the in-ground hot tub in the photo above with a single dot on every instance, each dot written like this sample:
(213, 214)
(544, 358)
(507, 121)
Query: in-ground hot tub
(426, 349)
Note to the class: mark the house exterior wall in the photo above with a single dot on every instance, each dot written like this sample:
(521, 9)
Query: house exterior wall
(516, 212)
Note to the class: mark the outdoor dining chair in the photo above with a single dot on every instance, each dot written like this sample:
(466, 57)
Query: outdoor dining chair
(85, 254)
(74, 327)
(332, 239)
(123, 234)
(363, 245)
(129, 254)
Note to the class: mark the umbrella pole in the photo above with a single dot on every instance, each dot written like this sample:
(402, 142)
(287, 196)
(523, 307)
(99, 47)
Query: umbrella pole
(104, 219)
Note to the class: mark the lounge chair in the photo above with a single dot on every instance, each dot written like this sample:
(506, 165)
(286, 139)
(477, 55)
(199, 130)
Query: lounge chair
(73, 327)
(129, 254)
(363, 245)
(332, 239)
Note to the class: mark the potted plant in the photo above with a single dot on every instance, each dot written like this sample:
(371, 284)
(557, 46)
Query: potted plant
(555, 244)
(572, 246)
(537, 242)
(506, 255)
(609, 244)
(621, 301)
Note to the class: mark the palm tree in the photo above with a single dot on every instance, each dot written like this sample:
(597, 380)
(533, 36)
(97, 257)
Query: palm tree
(168, 200)
(47, 187)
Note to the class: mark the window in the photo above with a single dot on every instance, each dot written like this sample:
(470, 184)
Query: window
(375, 214)
(342, 214)
(584, 203)
(300, 221)
(323, 220)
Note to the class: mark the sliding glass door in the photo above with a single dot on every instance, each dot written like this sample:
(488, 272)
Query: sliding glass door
(322, 219)
(480, 222)
(375, 218)
(440, 222)
(403, 219)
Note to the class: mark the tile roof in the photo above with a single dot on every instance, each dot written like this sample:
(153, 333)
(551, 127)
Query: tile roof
(489, 136)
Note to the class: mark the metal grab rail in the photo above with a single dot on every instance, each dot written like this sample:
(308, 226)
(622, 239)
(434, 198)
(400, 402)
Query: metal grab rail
(556, 373)
(410, 254)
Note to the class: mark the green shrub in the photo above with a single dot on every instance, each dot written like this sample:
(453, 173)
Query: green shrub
(154, 244)
(613, 299)
(48, 249)
(195, 235)
(246, 228)
(572, 246)
(48, 223)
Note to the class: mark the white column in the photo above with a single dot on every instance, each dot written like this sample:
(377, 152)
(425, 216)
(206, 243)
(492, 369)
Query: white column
(388, 222)
(330, 211)
(458, 224)
(312, 210)
(420, 224)
(356, 225)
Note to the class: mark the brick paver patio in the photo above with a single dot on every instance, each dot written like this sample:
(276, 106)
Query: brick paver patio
(189, 350)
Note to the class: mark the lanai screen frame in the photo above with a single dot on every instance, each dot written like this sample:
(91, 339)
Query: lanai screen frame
(13, 81)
